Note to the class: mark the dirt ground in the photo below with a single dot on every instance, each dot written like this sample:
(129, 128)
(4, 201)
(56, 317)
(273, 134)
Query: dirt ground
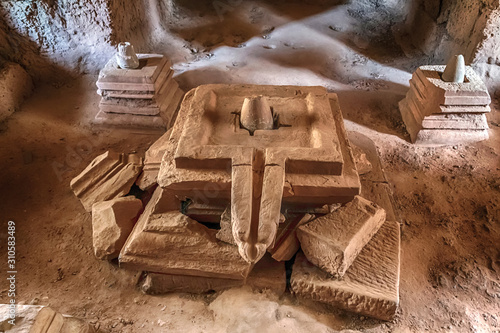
(448, 199)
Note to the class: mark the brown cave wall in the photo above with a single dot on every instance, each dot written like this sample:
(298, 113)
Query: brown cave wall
(50, 37)
(443, 28)
(47, 37)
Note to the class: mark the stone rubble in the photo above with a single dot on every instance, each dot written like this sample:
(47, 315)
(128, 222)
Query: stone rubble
(332, 242)
(436, 112)
(207, 172)
(147, 97)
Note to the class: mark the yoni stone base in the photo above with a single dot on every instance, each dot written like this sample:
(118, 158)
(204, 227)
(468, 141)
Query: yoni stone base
(369, 287)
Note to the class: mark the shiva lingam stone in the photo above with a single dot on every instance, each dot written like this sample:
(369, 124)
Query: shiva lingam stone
(126, 57)
(446, 105)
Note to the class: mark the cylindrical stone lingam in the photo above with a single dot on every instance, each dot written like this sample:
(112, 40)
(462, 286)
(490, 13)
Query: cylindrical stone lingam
(256, 114)
(126, 57)
(455, 70)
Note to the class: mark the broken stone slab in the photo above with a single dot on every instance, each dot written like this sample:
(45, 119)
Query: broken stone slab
(267, 274)
(333, 241)
(108, 176)
(112, 223)
(41, 319)
(287, 243)
(370, 286)
(166, 241)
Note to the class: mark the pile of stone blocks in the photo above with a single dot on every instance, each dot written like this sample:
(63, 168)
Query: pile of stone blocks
(436, 112)
(226, 207)
(147, 97)
(350, 259)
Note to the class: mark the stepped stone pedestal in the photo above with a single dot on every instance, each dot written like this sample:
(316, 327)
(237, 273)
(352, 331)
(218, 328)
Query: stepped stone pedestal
(146, 97)
(436, 112)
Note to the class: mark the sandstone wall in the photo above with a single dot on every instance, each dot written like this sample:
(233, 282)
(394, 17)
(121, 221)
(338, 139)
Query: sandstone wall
(443, 28)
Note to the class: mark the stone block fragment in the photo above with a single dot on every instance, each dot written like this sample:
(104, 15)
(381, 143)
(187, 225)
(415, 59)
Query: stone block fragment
(108, 176)
(112, 223)
(369, 287)
(333, 241)
(287, 243)
(166, 241)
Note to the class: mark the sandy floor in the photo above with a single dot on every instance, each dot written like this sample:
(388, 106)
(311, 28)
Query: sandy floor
(448, 199)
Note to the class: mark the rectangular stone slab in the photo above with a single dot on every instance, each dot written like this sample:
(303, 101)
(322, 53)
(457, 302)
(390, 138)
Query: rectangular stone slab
(267, 274)
(370, 286)
(150, 67)
(333, 241)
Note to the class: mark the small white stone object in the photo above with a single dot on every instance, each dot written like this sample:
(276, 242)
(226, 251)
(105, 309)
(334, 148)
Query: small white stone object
(256, 114)
(126, 57)
(455, 70)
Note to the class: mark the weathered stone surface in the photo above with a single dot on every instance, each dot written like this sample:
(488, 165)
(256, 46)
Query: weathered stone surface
(333, 241)
(267, 274)
(287, 243)
(112, 223)
(152, 161)
(166, 241)
(108, 176)
(369, 287)
(157, 283)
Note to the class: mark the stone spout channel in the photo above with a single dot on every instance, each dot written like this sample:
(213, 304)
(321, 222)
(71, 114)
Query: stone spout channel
(256, 194)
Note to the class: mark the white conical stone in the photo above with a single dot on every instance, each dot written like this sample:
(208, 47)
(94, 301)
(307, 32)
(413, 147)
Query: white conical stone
(455, 70)
(256, 114)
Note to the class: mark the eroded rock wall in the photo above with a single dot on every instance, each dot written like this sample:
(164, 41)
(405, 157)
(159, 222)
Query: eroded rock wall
(66, 36)
(443, 28)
